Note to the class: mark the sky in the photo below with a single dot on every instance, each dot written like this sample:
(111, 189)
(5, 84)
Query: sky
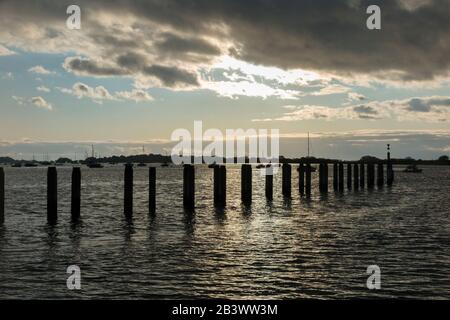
(138, 70)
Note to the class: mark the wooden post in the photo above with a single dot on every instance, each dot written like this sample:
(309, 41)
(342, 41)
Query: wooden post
(286, 180)
(335, 177)
(355, 176)
(220, 179)
(308, 179)
(246, 183)
(341, 177)
(269, 187)
(2, 196)
(370, 175)
(361, 175)
(380, 175)
(390, 174)
(349, 176)
(301, 179)
(52, 195)
(390, 170)
(128, 191)
(323, 177)
(189, 186)
(151, 189)
(76, 193)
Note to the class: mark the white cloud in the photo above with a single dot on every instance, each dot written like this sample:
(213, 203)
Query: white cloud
(5, 51)
(136, 95)
(81, 90)
(36, 101)
(41, 103)
(43, 89)
(435, 109)
(40, 70)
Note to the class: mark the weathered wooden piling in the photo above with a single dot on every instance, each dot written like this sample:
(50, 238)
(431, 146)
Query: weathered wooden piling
(76, 194)
(370, 175)
(269, 187)
(356, 176)
(341, 177)
(52, 195)
(361, 176)
(246, 183)
(380, 175)
(308, 179)
(301, 179)
(335, 177)
(323, 177)
(389, 169)
(286, 180)
(152, 190)
(389, 174)
(189, 186)
(349, 176)
(128, 191)
(220, 187)
(2, 196)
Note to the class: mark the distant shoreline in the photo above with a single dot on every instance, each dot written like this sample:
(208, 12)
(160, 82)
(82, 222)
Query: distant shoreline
(157, 158)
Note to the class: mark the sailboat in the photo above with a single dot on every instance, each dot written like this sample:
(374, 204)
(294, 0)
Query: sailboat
(313, 168)
(92, 163)
(142, 164)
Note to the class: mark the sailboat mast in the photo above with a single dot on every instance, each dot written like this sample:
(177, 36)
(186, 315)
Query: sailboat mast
(308, 144)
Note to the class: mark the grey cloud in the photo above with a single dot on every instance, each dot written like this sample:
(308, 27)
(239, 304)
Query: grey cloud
(418, 105)
(176, 45)
(414, 43)
(89, 67)
(172, 76)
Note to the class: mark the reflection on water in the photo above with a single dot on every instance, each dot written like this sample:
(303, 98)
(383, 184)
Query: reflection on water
(285, 248)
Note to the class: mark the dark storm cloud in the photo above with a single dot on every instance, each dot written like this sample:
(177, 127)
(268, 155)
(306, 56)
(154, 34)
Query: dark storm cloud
(320, 34)
(365, 112)
(425, 105)
(171, 76)
(88, 67)
(174, 44)
(312, 34)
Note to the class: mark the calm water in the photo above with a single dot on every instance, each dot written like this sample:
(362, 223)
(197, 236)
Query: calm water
(318, 248)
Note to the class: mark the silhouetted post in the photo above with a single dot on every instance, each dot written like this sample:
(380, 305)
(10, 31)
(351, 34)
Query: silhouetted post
(269, 186)
(308, 179)
(370, 175)
(361, 175)
(52, 195)
(325, 181)
(301, 179)
(390, 170)
(323, 177)
(128, 191)
(2, 196)
(246, 183)
(320, 177)
(76, 193)
(341, 177)
(335, 177)
(220, 189)
(380, 175)
(349, 176)
(151, 189)
(356, 176)
(189, 186)
(286, 180)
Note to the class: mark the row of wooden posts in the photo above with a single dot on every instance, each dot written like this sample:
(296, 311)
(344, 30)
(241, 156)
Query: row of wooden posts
(355, 170)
